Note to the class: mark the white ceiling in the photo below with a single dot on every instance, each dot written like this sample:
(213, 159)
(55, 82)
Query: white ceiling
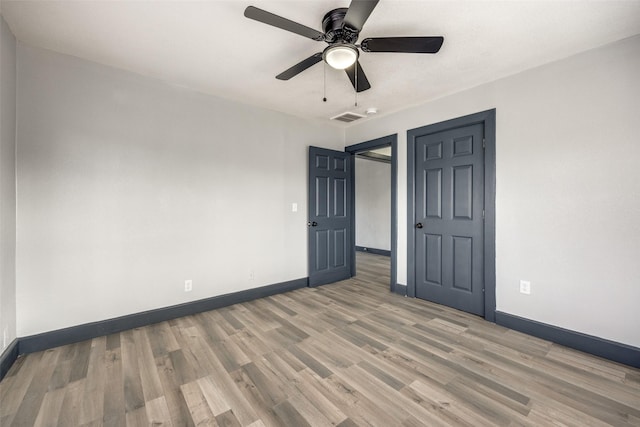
(211, 47)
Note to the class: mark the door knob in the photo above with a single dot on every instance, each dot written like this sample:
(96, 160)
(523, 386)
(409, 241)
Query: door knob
(312, 223)
(419, 225)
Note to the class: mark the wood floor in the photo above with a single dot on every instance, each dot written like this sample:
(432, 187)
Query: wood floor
(345, 354)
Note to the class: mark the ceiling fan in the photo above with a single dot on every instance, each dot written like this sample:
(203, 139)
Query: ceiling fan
(342, 28)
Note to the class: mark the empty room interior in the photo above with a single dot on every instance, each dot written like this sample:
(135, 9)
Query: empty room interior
(319, 213)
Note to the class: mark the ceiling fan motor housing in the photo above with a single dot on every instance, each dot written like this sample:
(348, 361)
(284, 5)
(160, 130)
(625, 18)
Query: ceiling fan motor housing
(334, 31)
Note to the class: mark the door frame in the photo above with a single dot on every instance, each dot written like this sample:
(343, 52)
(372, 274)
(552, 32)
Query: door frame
(488, 119)
(385, 141)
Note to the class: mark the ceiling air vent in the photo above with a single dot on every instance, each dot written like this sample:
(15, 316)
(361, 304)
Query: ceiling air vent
(347, 117)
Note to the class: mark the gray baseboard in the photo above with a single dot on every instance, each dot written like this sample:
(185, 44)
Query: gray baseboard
(611, 350)
(373, 250)
(400, 289)
(87, 331)
(9, 355)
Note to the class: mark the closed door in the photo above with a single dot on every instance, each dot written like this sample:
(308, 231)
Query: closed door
(449, 203)
(329, 223)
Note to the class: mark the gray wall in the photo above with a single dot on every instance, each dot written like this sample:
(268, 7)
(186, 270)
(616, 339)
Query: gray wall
(568, 187)
(373, 204)
(7, 186)
(128, 186)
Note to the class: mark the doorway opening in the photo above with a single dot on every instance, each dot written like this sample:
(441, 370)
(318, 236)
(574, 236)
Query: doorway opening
(374, 221)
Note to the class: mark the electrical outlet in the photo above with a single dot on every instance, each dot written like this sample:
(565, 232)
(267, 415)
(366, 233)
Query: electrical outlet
(294, 207)
(525, 287)
(252, 275)
(188, 285)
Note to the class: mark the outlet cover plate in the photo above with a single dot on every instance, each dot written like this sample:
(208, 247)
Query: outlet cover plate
(525, 287)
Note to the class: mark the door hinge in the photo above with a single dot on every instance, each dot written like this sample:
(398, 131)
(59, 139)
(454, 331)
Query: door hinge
(484, 143)
(482, 213)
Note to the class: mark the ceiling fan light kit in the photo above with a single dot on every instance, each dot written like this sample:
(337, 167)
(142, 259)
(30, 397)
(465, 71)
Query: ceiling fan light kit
(342, 28)
(340, 56)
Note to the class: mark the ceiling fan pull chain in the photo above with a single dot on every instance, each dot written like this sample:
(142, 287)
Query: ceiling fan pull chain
(324, 72)
(355, 68)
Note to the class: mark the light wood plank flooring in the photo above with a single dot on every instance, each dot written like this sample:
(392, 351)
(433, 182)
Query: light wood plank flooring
(345, 354)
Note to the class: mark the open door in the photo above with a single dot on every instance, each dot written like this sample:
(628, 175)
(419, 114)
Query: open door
(330, 246)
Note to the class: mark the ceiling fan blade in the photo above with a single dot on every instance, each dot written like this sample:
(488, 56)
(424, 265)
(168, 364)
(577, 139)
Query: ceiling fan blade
(402, 44)
(363, 82)
(358, 13)
(300, 67)
(282, 23)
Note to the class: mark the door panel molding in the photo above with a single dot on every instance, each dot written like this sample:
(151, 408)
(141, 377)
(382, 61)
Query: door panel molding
(488, 120)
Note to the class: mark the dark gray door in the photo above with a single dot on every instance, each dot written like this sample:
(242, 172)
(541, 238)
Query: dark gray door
(329, 216)
(449, 203)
